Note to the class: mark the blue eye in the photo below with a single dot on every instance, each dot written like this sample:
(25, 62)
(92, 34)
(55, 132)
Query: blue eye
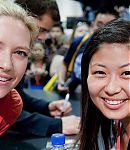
(22, 53)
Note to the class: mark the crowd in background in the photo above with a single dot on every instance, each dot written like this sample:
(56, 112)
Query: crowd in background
(77, 62)
(50, 54)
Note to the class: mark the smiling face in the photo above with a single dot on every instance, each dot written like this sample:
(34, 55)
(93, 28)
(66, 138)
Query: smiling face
(109, 80)
(14, 50)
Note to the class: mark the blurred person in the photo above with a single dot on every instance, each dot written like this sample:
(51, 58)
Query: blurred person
(37, 117)
(16, 34)
(60, 42)
(59, 39)
(72, 60)
(45, 12)
(81, 29)
(37, 74)
(104, 15)
(105, 104)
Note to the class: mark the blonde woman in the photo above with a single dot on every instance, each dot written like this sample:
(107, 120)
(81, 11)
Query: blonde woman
(17, 31)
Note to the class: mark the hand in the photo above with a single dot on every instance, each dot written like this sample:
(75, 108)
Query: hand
(57, 106)
(70, 125)
(62, 89)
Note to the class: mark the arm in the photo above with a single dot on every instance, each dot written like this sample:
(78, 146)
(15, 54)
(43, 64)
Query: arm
(32, 104)
(64, 66)
(39, 125)
(63, 72)
(62, 77)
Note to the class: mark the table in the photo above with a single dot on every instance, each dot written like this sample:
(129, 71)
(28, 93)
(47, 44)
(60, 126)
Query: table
(14, 141)
(52, 96)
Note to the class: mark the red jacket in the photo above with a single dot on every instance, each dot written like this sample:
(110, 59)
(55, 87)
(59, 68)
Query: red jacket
(10, 108)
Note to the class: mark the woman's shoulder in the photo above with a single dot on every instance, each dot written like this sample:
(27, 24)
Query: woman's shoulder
(17, 103)
(10, 108)
(13, 104)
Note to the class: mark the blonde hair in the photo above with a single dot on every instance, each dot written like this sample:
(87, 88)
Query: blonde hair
(11, 9)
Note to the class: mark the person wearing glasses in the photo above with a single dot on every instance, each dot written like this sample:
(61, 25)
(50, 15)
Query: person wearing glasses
(38, 116)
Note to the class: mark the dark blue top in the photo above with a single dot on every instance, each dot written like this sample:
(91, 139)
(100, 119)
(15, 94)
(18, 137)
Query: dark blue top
(76, 73)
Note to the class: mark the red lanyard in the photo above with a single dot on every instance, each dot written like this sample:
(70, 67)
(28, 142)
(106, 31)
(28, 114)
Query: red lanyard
(118, 136)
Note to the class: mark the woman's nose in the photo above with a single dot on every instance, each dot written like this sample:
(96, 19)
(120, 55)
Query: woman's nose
(113, 86)
(6, 61)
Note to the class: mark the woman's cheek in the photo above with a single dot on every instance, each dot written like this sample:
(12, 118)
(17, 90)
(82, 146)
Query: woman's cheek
(95, 86)
(92, 86)
(126, 87)
(21, 67)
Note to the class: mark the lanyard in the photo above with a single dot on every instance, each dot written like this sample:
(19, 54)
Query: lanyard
(118, 142)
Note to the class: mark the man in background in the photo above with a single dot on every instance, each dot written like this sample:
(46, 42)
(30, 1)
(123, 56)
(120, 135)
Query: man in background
(37, 117)
(102, 16)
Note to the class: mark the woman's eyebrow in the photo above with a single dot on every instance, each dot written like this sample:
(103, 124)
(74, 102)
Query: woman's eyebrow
(97, 64)
(125, 65)
(24, 48)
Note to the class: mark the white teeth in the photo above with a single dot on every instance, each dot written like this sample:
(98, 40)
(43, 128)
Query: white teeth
(3, 79)
(114, 102)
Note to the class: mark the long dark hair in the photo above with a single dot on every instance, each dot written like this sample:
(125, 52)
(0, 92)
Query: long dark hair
(117, 31)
